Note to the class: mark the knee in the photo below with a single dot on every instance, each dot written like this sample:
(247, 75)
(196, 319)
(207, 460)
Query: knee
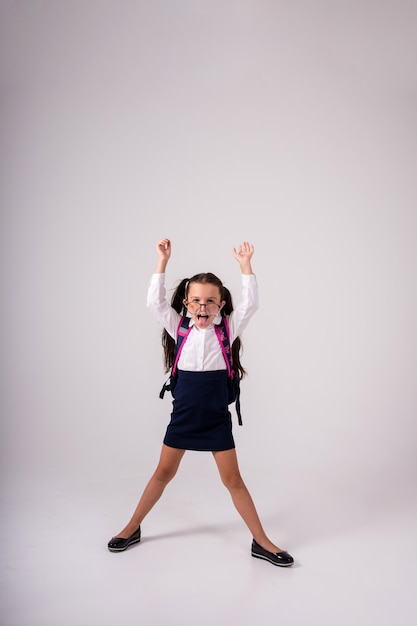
(164, 474)
(233, 481)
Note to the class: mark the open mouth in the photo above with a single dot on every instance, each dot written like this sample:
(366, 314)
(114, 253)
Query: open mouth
(205, 317)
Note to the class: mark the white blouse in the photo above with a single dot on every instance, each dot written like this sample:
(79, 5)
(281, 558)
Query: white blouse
(201, 351)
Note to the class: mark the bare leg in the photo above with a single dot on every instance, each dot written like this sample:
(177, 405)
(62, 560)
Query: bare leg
(229, 473)
(167, 468)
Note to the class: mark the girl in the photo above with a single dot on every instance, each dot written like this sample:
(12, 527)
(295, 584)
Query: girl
(200, 419)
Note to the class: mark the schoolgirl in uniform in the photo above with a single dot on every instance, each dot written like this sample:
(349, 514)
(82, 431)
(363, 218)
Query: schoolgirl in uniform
(200, 419)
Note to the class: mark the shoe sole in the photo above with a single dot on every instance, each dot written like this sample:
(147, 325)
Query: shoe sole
(132, 543)
(265, 558)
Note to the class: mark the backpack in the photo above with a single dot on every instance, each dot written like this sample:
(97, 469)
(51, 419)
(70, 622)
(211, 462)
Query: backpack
(223, 335)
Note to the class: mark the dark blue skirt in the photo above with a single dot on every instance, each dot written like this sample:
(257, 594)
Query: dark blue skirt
(200, 419)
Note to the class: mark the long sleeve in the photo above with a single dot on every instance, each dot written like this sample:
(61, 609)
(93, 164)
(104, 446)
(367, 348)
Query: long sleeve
(246, 308)
(160, 307)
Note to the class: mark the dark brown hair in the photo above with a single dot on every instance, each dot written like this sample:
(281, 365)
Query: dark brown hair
(180, 294)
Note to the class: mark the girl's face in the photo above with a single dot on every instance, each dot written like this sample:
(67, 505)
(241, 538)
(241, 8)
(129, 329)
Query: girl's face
(203, 303)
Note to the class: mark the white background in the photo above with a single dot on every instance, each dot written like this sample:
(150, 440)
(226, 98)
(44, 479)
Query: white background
(288, 124)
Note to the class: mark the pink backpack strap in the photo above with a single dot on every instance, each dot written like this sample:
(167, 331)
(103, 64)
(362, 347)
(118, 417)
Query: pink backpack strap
(183, 331)
(223, 336)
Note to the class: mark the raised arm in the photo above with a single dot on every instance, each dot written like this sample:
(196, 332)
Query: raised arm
(243, 256)
(163, 248)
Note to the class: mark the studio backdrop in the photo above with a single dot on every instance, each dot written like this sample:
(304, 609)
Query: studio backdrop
(287, 124)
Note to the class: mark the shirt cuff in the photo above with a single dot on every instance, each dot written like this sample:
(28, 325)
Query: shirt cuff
(157, 279)
(248, 279)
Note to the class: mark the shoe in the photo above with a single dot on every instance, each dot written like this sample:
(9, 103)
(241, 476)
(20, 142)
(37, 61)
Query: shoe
(118, 544)
(283, 559)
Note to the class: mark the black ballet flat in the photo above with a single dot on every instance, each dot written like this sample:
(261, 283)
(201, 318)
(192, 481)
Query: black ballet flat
(282, 559)
(118, 544)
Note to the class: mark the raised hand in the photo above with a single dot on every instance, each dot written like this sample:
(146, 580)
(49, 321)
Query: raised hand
(163, 248)
(243, 256)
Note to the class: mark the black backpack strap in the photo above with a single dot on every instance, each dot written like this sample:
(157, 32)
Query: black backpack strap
(165, 387)
(237, 405)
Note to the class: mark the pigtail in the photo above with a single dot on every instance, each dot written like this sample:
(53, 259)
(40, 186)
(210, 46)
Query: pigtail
(168, 343)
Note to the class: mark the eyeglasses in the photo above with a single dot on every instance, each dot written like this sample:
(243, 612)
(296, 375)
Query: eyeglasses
(194, 307)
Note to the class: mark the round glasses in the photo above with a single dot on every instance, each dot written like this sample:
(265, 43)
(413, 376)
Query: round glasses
(194, 307)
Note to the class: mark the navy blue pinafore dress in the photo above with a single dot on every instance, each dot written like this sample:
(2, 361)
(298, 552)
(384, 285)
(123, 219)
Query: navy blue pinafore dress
(200, 418)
